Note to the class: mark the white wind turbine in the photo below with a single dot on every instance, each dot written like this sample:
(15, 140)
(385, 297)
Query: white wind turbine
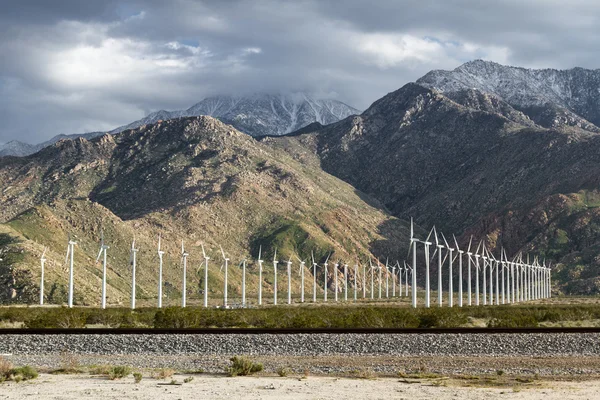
(460, 272)
(345, 282)
(426, 244)
(335, 280)
(70, 257)
(484, 258)
(414, 281)
(133, 261)
(469, 280)
(289, 280)
(260, 270)
(379, 270)
(275, 262)
(206, 258)
(355, 281)
(102, 252)
(450, 277)
(184, 256)
(225, 264)
(413, 245)
(325, 279)
(301, 272)
(387, 279)
(477, 255)
(243, 263)
(43, 262)
(394, 280)
(503, 266)
(160, 273)
(372, 279)
(400, 278)
(314, 264)
(364, 286)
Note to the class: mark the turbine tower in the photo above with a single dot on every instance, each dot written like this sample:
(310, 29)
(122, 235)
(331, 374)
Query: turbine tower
(394, 280)
(460, 272)
(102, 252)
(70, 257)
(184, 257)
(275, 262)
(314, 264)
(325, 279)
(345, 282)
(289, 280)
(260, 280)
(133, 261)
(43, 262)
(160, 273)
(450, 277)
(205, 276)
(335, 280)
(244, 283)
(226, 264)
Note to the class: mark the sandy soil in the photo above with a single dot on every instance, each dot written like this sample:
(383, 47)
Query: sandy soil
(219, 387)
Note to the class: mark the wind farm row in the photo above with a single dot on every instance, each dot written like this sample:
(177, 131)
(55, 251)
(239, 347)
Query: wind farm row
(489, 280)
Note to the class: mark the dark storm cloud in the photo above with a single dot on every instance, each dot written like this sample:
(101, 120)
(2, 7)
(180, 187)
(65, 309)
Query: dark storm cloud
(72, 66)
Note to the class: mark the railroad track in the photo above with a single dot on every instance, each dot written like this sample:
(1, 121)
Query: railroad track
(286, 331)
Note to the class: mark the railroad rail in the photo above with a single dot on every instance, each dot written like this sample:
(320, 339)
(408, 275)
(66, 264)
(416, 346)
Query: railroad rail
(286, 331)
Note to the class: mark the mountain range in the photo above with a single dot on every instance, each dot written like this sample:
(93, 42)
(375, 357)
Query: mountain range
(257, 114)
(465, 150)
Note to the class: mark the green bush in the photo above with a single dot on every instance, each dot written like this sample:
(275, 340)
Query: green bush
(137, 377)
(242, 366)
(23, 373)
(119, 372)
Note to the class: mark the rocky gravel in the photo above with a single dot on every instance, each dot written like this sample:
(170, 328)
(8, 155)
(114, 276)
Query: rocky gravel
(574, 354)
(543, 344)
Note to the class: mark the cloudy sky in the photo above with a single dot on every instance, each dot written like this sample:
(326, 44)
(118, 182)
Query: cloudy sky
(72, 66)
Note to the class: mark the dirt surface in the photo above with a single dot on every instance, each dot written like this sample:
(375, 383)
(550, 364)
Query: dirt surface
(218, 387)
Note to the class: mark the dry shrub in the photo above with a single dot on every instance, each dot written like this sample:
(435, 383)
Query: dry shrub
(162, 373)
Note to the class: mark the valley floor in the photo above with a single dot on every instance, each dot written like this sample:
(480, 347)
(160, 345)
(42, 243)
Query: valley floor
(268, 387)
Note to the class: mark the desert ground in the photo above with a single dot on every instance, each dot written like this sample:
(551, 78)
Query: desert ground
(48, 386)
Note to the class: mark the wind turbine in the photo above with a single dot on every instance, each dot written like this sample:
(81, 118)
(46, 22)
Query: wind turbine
(260, 269)
(426, 244)
(206, 258)
(469, 261)
(345, 282)
(503, 266)
(413, 244)
(43, 262)
(302, 266)
(477, 255)
(372, 279)
(335, 280)
(400, 278)
(312, 254)
(450, 277)
(184, 257)
(243, 263)
(460, 272)
(275, 262)
(133, 261)
(70, 256)
(364, 286)
(355, 281)
(102, 251)
(394, 280)
(484, 258)
(440, 262)
(325, 279)
(379, 271)
(226, 264)
(160, 273)
(289, 282)
(387, 279)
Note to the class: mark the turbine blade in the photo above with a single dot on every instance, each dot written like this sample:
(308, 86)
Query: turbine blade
(455, 242)
(412, 228)
(203, 252)
(445, 241)
(259, 252)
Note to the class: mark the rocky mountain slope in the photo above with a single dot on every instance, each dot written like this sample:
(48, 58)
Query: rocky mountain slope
(472, 164)
(257, 115)
(261, 113)
(193, 179)
(552, 98)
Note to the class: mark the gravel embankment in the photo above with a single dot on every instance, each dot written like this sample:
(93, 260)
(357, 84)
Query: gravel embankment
(559, 354)
(543, 344)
